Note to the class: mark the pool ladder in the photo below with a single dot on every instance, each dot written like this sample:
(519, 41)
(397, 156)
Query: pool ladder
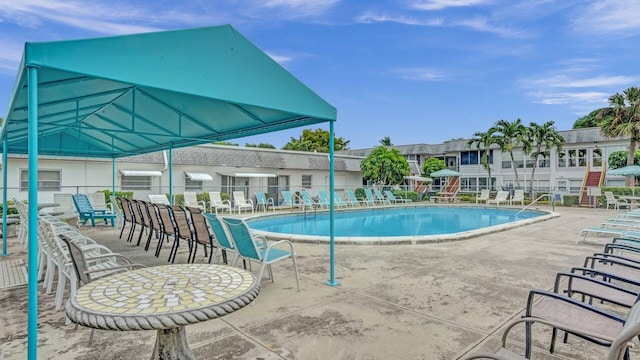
(550, 196)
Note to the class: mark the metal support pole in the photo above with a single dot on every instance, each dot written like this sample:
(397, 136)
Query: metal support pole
(113, 178)
(5, 202)
(332, 244)
(171, 174)
(32, 316)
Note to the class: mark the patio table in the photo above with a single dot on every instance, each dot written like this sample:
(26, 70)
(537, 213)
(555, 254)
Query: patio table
(633, 200)
(163, 298)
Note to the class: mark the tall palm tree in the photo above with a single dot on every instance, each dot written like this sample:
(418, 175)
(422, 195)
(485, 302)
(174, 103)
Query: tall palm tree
(542, 138)
(483, 141)
(386, 141)
(510, 135)
(623, 120)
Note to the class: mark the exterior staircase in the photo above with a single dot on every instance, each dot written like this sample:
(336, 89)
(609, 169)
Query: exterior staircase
(591, 179)
(454, 184)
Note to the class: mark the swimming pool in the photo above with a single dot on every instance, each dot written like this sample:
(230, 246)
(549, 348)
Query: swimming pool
(406, 224)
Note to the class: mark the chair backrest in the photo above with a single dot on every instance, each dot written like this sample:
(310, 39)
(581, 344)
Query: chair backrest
(390, 195)
(199, 223)
(215, 197)
(502, 195)
(97, 200)
(378, 194)
(77, 259)
(323, 197)
(159, 199)
(609, 196)
(181, 220)
(306, 197)
(337, 199)
(352, 196)
(242, 238)
(518, 195)
(287, 198)
(219, 231)
(82, 204)
(369, 194)
(238, 197)
(126, 208)
(190, 198)
(152, 210)
(630, 331)
(484, 194)
(166, 218)
(135, 212)
(145, 217)
(64, 201)
(261, 199)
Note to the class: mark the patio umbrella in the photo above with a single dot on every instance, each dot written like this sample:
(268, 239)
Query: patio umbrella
(633, 170)
(444, 173)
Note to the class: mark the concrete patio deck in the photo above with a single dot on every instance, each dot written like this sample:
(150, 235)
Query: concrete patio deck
(431, 301)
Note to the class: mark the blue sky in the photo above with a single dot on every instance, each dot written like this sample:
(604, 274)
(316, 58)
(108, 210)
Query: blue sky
(418, 71)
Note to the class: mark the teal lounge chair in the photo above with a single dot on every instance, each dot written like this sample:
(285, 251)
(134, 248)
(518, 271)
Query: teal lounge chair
(352, 199)
(337, 200)
(263, 202)
(307, 199)
(221, 236)
(323, 199)
(396, 199)
(87, 213)
(287, 199)
(379, 197)
(370, 199)
(250, 249)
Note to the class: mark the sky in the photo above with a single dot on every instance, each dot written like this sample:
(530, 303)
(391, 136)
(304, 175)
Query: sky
(417, 71)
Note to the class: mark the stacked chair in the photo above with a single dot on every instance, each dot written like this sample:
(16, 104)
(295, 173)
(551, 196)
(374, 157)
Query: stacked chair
(587, 302)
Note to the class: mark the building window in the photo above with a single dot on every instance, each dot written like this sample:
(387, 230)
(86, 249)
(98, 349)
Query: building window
(530, 163)
(306, 181)
(519, 164)
(562, 159)
(572, 158)
(469, 158)
(48, 180)
(544, 162)
(136, 183)
(194, 185)
(597, 157)
(506, 164)
(582, 157)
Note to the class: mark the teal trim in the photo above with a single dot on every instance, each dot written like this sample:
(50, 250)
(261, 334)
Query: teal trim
(113, 178)
(4, 198)
(32, 315)
(332, 241)
(170, 175)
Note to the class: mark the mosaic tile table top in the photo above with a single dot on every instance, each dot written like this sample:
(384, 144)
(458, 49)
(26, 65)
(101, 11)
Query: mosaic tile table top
(162, 297)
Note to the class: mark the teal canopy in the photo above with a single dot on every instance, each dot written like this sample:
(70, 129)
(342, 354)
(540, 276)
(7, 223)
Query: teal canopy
(124, 95)
(444, 173)
(633, 170)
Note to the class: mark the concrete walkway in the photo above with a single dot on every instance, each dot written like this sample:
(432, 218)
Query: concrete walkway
(432, 301)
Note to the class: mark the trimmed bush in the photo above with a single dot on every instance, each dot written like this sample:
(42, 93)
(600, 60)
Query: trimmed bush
(412, 195)
(570, 200)
(617, 191)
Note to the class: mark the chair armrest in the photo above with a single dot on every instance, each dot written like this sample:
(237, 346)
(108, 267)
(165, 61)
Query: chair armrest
(607, 288)
(604, 274)
(204, 205)
(109, 256)
(543, 293)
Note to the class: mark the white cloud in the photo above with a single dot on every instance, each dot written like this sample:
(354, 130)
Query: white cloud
(443, 4)
(280, 59)
(371, 17)
(564, 81)
(484, 24)
(10, 56)
(420, 74)
(609, 16)
(577, 99)
(301, 8)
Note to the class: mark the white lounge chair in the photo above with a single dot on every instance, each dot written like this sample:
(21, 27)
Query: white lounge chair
(191, 199)
(159, 199)
(518, 196)
(501, 197)
(216, 202)
(240, 203)
(617, 203)
(484, 196)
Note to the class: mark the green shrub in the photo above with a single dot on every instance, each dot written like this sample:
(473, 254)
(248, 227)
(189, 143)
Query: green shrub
(468, 197)
(178, 199)
(10, 210)
(570, 200)
(124, 194)
(360, 193)
(617, 191)
(412, 195)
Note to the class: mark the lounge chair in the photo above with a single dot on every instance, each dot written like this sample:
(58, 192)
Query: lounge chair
(263, 202)
(630, 231)
(617, 203)
(323, 199)
(200, 233)
(222, 238)
(338, 201)
(87, 213)
(191, 199)
(99, 202)
(240, 203)
(249, 248)
(216, 202)
(307, 199)
(352, 199)
(484, 196)
(287, 199)
(619, 339)
(396, 199)
(501, 197)
(381, 198)
(518, 196)
(159, 199)
(370, 199)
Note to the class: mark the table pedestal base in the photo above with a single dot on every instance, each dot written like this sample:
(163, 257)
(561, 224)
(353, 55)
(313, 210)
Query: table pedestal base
(171, 344)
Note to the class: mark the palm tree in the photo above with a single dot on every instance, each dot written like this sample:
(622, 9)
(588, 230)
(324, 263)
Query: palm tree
(483, 141)
(542, 138)
(622, 118)
(386, 141)
(510, 135)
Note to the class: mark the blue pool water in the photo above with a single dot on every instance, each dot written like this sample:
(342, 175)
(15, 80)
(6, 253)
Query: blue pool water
(410, 221)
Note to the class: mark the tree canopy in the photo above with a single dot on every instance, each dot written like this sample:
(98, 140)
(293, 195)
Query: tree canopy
(315, 141)
(618, 159)
(385, 166)
(509, 135)
(432, 165)
(260, 145)
(592, 119)
(386, 141)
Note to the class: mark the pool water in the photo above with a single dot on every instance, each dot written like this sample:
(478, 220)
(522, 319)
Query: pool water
(410, 221)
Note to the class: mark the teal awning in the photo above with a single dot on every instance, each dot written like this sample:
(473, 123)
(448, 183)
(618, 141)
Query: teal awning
(125, 95)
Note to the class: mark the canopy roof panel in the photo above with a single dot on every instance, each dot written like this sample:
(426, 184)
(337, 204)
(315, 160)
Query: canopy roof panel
(133, 94)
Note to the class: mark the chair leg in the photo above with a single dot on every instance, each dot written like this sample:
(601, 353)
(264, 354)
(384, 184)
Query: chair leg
(295, 270)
